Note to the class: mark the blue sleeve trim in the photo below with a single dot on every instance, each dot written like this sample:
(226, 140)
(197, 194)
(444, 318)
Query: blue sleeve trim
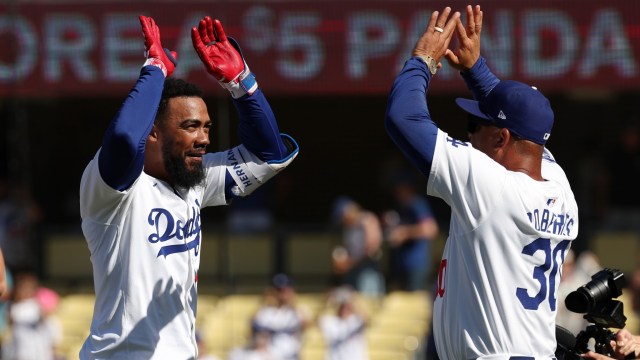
(407, 120)
(121, 158)
(293, 149)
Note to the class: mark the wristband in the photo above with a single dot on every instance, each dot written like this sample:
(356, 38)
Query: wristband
(244, 83)
(157, 63)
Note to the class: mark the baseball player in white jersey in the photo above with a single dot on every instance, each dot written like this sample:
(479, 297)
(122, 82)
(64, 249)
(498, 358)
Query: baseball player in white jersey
(282, 319)
(513, 214)
(141, 196)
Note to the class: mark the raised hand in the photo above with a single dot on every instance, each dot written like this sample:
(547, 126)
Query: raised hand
(434, 41)
(222, 58)
(216, 52)
(155, 53)
(468, 53)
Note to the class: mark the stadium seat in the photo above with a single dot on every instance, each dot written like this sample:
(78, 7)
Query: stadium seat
(317, 249)
(608, 248)
(389, 355)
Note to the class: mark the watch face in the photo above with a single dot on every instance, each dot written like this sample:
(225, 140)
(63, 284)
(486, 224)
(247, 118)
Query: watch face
(433, 67)
(431, 64)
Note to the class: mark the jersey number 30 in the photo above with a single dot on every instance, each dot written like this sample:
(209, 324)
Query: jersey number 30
(551, 266)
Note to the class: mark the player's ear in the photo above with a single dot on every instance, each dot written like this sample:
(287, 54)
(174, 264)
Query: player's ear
(153, 135)
(502, 137)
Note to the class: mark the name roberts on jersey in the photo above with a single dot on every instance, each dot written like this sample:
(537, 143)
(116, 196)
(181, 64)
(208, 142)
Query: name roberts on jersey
(546, 221)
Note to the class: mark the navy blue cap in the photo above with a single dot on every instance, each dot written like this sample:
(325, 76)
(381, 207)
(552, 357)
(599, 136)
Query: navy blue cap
(281, 281)
(516, 106)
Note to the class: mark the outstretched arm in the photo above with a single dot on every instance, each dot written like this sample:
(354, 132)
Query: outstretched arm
(121, 157)
(223, 59)
(257, 127)
(407, 120)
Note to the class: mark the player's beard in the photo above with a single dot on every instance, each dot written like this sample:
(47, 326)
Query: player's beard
(176, 166)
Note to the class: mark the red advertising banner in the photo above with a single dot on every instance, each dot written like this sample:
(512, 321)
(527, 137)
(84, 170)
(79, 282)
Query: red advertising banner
(315, 47)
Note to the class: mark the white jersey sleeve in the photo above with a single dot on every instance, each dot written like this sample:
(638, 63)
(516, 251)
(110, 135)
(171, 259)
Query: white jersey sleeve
(250, 172)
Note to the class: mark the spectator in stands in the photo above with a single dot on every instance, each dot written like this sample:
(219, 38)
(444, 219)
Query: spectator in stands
(344, 330)
(356, 263)
(48, 300)
(20, 217)
(282, 319)
(259, 348)
(410, 230)
(30, 337)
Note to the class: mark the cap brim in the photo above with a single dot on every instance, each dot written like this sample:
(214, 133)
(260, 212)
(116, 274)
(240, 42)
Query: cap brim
(472, 107)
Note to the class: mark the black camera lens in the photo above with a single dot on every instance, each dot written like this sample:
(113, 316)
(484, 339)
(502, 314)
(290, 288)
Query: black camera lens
(604, 285)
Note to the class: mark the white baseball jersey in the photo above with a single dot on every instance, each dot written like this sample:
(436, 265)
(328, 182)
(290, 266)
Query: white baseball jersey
(499, 275)
(145, 250)
(344, 337)
(285, 323)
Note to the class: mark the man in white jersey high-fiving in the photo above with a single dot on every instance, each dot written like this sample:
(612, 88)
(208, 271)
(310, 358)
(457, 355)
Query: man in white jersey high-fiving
(513, 214)
(140, 197)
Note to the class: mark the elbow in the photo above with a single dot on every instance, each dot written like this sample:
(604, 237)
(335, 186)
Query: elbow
(120, 138)
(392, 117)
(120, 145)
(391, 121)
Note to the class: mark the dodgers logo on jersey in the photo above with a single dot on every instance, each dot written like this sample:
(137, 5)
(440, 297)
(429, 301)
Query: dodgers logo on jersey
(167, 228)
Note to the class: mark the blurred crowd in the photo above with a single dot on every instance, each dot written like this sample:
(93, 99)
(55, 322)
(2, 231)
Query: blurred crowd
(278, 325)
(30, 328)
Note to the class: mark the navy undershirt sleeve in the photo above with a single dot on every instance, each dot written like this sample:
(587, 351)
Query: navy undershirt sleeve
(407, 119)
(257, 127)
(258, 131)
(479, 79)
(121, 157)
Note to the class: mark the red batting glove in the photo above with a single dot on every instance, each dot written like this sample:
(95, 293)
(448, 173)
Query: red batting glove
(221, 58)
(216, 52)
(155, 53)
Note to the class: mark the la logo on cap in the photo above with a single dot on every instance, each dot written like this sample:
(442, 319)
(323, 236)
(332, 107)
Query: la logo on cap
(502, 116)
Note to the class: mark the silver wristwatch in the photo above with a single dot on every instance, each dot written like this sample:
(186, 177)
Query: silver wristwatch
(432, 65)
